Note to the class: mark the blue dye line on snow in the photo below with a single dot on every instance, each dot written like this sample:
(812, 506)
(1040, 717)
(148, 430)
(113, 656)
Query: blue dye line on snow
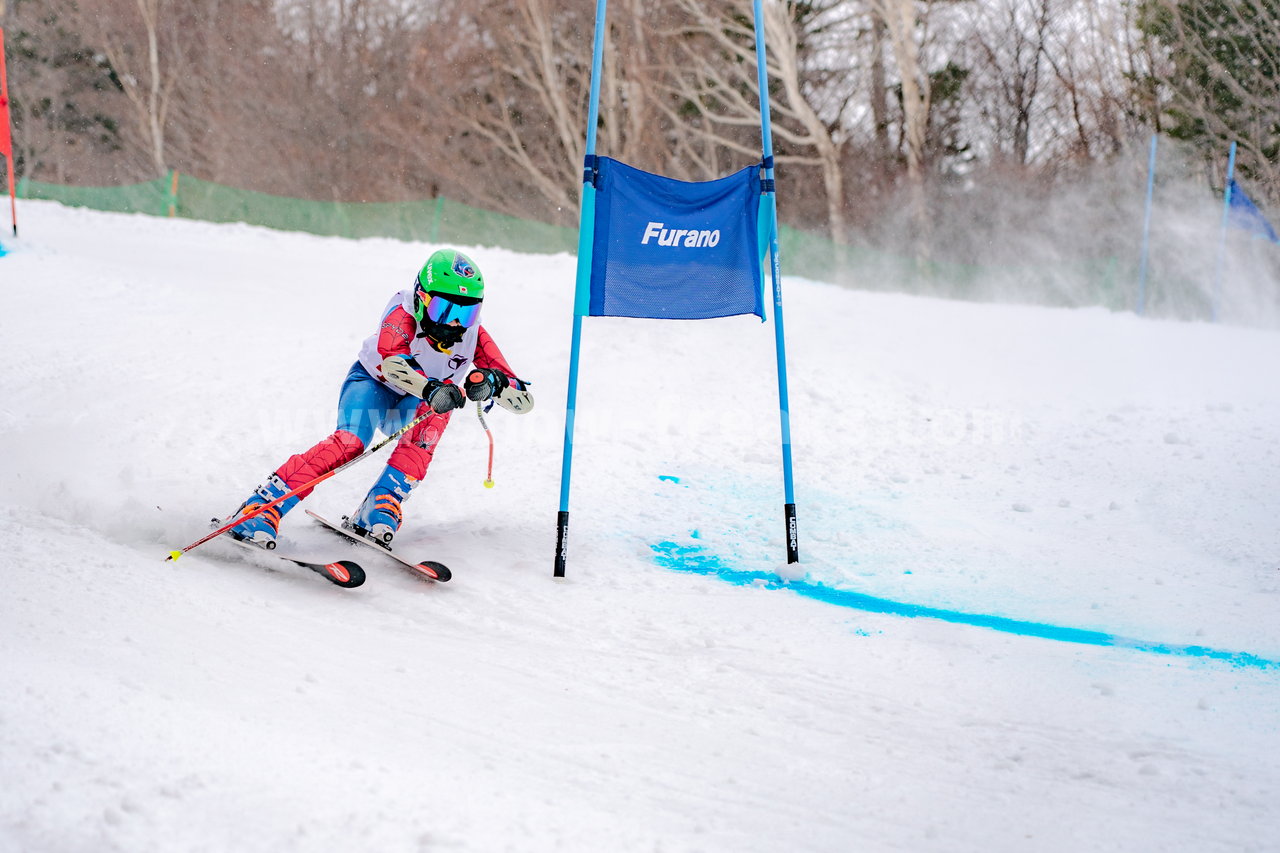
(696, 559)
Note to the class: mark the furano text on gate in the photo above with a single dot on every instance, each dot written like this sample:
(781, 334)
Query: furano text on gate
(689, 237)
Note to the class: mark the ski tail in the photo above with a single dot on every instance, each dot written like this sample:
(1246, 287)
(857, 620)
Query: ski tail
(347, 574)
(343, 572)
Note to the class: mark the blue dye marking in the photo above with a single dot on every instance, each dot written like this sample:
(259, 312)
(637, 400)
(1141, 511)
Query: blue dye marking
(2, 251)
(669, 478)
(694, 558)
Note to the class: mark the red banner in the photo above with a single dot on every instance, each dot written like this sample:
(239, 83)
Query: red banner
(5, 138)
(6, 141)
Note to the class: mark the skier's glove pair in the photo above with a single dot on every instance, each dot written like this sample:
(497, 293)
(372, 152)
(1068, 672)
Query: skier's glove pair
(443, 397)
(484, 383)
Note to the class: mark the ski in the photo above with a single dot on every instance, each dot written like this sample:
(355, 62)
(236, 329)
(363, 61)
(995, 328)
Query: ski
(252, 512)
(344, 573)
(427, 569)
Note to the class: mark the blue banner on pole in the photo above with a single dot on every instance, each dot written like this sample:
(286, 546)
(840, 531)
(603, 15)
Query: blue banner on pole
(668, 249)
(1245, 214)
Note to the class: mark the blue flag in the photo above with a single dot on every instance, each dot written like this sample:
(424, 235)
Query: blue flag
(668, 249)
(1244, 214)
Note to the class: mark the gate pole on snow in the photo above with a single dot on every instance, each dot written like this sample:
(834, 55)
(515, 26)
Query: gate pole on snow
(775, 272)
(586, 234)
(1146, 229)
(1222, 235)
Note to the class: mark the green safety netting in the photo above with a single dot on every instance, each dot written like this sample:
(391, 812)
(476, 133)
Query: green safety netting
(432, 220)
(441, 220)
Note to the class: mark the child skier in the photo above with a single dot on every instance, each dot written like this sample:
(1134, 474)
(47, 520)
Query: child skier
(429, 340)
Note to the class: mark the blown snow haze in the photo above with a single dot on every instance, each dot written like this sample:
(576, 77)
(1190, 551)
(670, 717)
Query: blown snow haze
(1036, 608)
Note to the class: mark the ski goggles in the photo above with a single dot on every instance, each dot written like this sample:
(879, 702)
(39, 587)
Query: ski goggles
(442, 309)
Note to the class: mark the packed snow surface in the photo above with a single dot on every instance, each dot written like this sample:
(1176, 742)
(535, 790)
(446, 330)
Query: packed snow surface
(1036, 607)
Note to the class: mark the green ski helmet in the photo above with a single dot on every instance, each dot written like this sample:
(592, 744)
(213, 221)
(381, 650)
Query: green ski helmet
(451, 273)
(447, 297)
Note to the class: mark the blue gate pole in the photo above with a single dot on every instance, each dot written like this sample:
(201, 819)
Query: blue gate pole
(582, 293)
(1222, 235)
(775, 272)
(1146, 229)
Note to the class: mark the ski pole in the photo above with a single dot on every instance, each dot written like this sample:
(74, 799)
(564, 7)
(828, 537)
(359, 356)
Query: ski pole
(261, 508)
(488, 480)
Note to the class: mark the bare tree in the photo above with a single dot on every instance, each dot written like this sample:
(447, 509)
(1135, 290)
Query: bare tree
(1096, 57)
(1010, 42)
(1221, 66)
(513, 80)
(635, 126)
(61, 100)
(143, 47)
(879, 89)
(906, 26)
(810, 89)
(353, 109)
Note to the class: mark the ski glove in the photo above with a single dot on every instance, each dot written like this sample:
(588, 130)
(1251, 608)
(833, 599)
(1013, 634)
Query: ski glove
(443, 397)
(483, 383)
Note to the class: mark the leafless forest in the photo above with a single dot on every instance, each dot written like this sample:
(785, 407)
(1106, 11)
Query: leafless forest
(891, 118)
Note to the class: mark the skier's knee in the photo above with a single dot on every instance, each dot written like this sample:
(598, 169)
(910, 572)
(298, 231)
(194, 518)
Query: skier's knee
(349, 443)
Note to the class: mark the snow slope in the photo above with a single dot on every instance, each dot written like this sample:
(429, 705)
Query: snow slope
(1036, 608)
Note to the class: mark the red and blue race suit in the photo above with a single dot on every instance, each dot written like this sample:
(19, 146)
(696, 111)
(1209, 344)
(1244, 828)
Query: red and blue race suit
(367, 403)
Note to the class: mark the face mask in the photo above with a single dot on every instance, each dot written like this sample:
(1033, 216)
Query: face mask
(442, 337)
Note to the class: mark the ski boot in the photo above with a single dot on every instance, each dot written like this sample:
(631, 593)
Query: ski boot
(378, 517)
(261, 529)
